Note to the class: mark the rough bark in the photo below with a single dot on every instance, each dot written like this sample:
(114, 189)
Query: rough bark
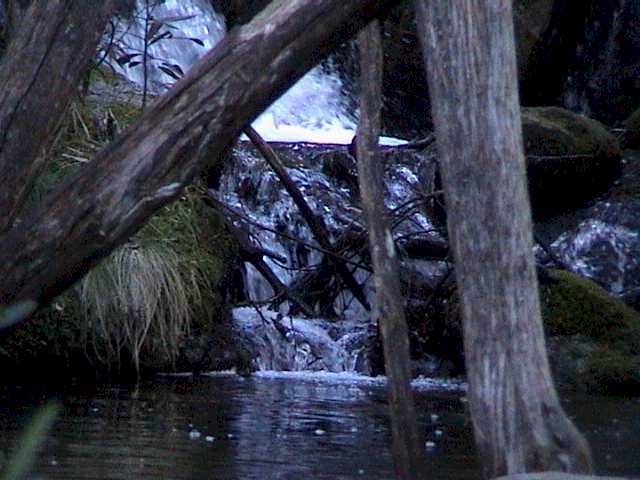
(389, 312)
(518, 421)
(52, 42)
(315, 222)
(150, 163)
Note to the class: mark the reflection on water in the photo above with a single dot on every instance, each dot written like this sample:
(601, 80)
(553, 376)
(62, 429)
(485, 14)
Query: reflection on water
(261, 428)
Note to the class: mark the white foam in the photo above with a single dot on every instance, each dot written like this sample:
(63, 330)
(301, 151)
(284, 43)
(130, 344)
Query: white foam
(420, 383)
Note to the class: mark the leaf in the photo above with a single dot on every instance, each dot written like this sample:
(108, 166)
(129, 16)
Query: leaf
(155, 28)
(175, 18)
(169, 72)
(176, 68)
(197, 40)
(126, 58)
(157, 38)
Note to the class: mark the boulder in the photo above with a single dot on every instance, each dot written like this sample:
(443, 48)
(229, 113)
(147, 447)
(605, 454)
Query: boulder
(594, 338)
(570, 159)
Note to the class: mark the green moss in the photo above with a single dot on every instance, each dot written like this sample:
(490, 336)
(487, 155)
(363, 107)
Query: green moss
(195, 242)
(613, 372)
(48, 343)
(576, 305)
(557, 131)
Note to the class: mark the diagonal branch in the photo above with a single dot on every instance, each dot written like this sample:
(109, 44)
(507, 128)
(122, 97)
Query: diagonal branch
(315, 222)
(151, 162)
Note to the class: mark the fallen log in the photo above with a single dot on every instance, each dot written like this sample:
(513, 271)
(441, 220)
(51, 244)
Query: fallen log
(154, 159)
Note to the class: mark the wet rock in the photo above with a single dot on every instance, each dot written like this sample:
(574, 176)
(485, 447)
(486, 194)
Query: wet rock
(570, 159)
(606, 246)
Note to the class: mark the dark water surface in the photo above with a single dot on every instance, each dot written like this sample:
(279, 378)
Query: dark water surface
(264, 428)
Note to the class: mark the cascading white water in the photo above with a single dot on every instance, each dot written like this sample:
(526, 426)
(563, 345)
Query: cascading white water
(315, 109)
(191, 28)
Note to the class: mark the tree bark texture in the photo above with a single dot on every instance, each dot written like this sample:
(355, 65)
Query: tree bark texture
(408, 454)
(518, 421)
(52, 42)
(151, 162)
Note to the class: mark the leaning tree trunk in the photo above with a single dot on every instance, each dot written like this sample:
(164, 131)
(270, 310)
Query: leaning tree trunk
(51, 44)
(518, 421)
(151, 162)
(407, 453)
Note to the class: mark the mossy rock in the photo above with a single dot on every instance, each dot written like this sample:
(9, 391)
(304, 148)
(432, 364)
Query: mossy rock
(49, 345)
(578, 306)
(595, 338)
(570, 159)
(612, 372)
(631, 137)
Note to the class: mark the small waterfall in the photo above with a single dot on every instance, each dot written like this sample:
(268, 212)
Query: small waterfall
(606, 246)
(598, 61)
(249, 187)
(315, 109)
(190, 29)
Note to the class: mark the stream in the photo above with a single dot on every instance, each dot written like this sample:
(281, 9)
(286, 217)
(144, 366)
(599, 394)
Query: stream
(273, 426)
(294, 425)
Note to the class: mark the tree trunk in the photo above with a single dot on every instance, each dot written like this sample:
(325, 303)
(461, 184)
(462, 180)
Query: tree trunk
(51, 44)
(518, 421)
(150, 163)
(389, 312)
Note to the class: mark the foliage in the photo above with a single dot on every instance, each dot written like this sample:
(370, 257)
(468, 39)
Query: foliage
(138, 53)
(144, 297)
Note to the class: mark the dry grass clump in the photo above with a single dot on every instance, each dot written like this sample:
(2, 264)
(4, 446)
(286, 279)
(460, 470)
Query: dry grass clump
(138, 299)
(139, 303)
